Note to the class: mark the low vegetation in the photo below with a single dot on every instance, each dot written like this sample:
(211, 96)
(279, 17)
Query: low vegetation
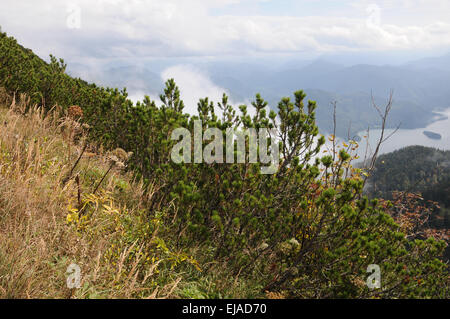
(415, 169)
(86, 178)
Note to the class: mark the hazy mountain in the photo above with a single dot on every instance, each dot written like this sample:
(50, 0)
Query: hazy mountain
(416, 169)
(354, 112)
(425, 87)
(134, 78)
(321, 67)
(439, 63)
(420, 87)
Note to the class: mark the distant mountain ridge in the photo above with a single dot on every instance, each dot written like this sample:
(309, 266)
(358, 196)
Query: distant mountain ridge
(420, 87)
(440, 63)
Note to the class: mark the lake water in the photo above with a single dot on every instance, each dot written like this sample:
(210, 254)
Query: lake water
(404, 137)
(401, 138)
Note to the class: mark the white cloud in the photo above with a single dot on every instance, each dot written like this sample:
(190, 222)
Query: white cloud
(139, 28)
(194, 85)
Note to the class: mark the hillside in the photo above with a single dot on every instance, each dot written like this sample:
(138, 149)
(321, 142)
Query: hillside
(415, 169)
(49, 221)
(89, 178)
(412, 168)
(40, 227)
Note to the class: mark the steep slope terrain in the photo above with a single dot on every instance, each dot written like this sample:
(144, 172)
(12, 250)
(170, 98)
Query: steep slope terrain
(88, 178)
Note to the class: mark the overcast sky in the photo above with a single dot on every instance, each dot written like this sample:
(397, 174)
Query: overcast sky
(83, 29)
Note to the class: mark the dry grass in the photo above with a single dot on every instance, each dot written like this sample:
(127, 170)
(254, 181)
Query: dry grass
(51, 218)
(39, 240)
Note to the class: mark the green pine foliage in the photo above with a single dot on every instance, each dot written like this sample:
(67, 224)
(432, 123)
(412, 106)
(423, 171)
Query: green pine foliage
(303, 232)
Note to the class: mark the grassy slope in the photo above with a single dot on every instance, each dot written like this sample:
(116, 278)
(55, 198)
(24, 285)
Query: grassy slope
(38, 243)
(121, 254)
